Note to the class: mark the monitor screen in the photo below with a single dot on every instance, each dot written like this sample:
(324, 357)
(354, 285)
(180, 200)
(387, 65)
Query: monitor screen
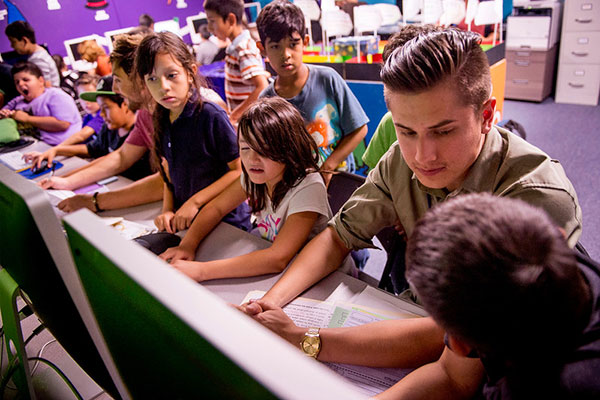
(193, 23)
(34, 251)
(75, 59)
(169, 25)
(169, 337)
(110, 36)
(252, 10)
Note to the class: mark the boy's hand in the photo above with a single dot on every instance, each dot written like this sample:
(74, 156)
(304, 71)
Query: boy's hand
(20, 116)
(250, 308)
(55, 182)
(277, 321)
(35, 157)
(193, 269)
(164, 220)
(6, 113)
(184, 216)
(173, 254)
(76, 202)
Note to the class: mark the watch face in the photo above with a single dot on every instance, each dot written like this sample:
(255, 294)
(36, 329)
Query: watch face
(311, 345)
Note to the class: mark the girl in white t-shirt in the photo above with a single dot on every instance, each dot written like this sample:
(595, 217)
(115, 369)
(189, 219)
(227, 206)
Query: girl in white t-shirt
(282, 184)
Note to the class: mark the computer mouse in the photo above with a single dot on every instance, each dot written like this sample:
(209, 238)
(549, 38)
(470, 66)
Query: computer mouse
(158, 242)
(38, 170)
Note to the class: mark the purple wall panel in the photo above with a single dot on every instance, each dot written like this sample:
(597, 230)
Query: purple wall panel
(75, 20)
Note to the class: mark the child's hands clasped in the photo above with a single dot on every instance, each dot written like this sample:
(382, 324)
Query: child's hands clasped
(184, 216)
(173, 254)
(164, 221)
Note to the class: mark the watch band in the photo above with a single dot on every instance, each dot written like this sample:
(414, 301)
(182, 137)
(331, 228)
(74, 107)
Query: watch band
(95, 201)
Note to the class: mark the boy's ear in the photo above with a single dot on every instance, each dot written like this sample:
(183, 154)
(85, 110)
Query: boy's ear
(261, 48)
(231, 19)
(458, 346)
(488, 113)
(306, 40)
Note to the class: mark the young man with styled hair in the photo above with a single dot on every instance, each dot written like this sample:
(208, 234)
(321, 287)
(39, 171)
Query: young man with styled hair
(438, 89)
(517, 308)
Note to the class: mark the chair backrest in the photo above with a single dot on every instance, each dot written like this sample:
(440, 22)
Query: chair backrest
(390, 13)
(472, 6)
(309, 8)
(335, 23)
(454, 12)
(488, 13)
(411, 8)
(341, 187)
(367, 18)
(432, 11)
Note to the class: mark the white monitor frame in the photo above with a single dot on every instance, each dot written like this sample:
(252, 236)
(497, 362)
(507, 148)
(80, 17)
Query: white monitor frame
(169, 25)
(194, 35)
(78, 63)
(258, 7)
(110, 34)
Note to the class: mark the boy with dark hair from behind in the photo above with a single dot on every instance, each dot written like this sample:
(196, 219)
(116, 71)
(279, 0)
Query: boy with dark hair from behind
(334, 118)
(22, 39)
(206, 50)
(245, 76)
(518, 311)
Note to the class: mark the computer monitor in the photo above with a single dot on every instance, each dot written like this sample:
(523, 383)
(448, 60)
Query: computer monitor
(75, 59)
(35, 253)
(110, 36)
(193, 23)
(252, 10)
(169, 337)
(169, 25)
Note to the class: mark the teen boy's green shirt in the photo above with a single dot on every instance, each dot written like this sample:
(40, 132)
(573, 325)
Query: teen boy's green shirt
(507, 166)
(383, 138)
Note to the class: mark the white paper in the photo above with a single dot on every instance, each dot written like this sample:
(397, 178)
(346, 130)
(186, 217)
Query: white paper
(14, 160)
(304, 312)
(313, 313)
(131, 230)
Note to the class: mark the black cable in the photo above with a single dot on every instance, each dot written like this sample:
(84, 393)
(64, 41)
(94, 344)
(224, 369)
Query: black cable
(60, 373)
(33, 334)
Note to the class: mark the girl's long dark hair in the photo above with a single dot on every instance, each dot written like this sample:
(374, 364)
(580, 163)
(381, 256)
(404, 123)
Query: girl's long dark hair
(275, 129)
(149, 48)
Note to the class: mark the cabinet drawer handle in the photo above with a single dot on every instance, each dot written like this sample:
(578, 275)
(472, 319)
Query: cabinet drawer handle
(583, 21)
(576, 85)
(522, 63)
(580, 53)
(520, 81)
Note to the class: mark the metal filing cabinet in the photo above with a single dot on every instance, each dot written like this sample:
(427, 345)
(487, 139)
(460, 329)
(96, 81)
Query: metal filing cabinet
(531, 48)
(578, 79)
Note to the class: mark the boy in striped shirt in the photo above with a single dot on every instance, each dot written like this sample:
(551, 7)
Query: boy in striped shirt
(245, 75)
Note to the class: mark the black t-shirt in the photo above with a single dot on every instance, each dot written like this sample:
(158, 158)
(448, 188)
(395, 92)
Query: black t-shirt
(580, 375)
(107, 141)
(7, 83)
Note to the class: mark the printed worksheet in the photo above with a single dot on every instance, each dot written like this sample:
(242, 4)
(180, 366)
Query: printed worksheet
(336, 314)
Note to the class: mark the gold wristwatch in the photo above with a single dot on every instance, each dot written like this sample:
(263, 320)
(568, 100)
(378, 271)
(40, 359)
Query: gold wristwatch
(311, 343)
